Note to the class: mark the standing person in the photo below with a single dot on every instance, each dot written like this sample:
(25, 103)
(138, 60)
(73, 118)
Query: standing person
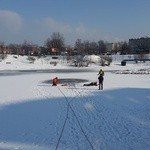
(101, 79)
(101, 72)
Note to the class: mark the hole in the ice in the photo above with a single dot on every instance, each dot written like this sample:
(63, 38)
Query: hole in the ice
(67, 80)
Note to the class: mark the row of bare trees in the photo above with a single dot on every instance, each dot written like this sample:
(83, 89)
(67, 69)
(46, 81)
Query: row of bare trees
(87, 47)
(80, 47)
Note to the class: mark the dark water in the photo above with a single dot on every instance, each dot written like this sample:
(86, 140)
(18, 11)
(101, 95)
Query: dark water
(67, 80)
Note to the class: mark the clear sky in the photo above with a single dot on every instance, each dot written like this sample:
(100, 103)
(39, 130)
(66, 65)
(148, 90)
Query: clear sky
(93, 20)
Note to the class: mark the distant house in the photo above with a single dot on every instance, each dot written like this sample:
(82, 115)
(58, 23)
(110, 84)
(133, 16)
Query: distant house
(4, 50)
(34, 51)
(113, 48)
(54, 51)
(116, 47)
(109, 47)
(140, 45)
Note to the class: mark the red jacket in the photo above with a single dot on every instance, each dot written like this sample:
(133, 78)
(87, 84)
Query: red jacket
(55, 81)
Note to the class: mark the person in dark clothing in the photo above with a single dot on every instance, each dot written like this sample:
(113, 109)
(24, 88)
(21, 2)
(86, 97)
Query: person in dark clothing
(100, 79)
(91, 84)
(101, 72)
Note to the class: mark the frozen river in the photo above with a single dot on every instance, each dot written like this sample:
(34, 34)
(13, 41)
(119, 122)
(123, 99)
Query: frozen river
(34, 115)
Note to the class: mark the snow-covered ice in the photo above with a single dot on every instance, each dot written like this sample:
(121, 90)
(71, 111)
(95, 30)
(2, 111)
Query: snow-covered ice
(34, 115)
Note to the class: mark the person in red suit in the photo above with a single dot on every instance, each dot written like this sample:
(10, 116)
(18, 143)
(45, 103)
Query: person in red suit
(55, 81)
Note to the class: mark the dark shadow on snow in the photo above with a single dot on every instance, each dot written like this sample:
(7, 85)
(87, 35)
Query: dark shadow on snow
(38, 121)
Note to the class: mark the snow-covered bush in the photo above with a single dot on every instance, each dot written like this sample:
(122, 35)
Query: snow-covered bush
(31, 59)
(3, 56)
(106, 60)
(92, 59)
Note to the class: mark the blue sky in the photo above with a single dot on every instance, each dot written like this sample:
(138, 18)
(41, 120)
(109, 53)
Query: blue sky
(93, 20)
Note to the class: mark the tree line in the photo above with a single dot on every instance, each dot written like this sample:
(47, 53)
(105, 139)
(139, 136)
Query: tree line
(56, 45)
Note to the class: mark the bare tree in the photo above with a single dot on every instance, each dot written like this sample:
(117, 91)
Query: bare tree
(79, 47)
(93, 48)
(86, 47)
(2, 45)
(56, 41)
(26, 48)
(125, 49)
(101, 47)
(15, 48)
